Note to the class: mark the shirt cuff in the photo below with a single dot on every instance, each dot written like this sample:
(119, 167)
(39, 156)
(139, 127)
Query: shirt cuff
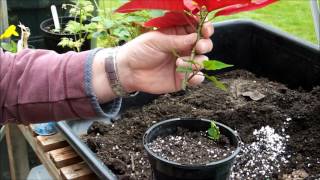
(108, 110)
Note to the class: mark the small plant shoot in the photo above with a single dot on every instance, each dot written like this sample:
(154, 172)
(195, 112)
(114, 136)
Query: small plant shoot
(213, 131)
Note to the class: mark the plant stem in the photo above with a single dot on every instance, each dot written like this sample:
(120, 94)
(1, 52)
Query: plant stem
(203, 16)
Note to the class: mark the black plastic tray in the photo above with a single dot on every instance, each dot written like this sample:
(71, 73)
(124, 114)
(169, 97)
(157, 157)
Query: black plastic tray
(246, 44)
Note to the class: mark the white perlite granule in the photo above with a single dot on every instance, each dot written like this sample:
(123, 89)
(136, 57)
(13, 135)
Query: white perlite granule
(261, 158)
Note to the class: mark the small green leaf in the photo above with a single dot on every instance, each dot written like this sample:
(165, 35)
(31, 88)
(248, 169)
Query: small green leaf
(73, 27)
(184, 69)
(11, 46)
(215, 65)
(213, 131)
(135, 19)
(216, 82)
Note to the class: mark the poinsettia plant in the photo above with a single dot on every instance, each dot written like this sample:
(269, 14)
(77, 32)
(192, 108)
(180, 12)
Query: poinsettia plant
(193, 13)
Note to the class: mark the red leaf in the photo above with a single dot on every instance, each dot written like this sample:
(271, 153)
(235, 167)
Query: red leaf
(244, 7)
(212, 5)
(136, 5)
(171, 19)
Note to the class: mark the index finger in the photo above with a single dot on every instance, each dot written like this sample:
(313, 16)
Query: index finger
(207, 30)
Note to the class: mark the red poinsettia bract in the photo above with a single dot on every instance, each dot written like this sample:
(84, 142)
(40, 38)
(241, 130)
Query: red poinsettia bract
(177, 9)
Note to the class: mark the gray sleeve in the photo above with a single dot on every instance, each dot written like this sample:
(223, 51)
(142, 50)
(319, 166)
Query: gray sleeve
(108, 110)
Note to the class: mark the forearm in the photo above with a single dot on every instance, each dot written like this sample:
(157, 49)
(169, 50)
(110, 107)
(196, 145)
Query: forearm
(41, 85)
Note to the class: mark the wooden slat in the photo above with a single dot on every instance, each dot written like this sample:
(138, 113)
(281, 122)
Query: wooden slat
(54, 152)
(79, 171)
(17, 152)
(64, 157)
(49, 143)
(34, 134)
(43, 156)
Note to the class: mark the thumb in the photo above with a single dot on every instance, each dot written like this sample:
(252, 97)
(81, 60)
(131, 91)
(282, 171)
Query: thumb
(179, 42)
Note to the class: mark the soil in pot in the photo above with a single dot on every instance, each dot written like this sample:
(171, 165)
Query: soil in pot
(279, 128)
(192, 148)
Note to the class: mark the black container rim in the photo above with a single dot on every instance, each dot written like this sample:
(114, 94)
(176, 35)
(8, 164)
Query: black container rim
(276, 30)
(235, 152)
(45, 22)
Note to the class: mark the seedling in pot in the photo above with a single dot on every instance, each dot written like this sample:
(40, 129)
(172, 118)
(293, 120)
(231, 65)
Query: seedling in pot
(214, 131)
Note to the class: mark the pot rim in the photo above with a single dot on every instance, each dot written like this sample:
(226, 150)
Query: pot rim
(45, 22)
(235, 152)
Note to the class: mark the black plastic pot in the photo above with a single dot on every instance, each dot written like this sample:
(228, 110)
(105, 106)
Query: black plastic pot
(164, 169)
(51, 39)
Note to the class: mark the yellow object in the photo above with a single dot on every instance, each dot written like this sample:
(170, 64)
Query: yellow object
(11, 30)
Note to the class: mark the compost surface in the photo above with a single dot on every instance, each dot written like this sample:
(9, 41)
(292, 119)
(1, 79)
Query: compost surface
(193, 148)
(279, 127)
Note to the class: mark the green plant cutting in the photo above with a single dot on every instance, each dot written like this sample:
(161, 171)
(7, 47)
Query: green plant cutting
(194, 13)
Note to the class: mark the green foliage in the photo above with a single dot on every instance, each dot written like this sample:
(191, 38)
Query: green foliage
(10, 46)
(68, 42)
(81, 10)
(109, 28)
(216, 82)
(296, 19)
(215, 65)
(213, 131)
(115, 28)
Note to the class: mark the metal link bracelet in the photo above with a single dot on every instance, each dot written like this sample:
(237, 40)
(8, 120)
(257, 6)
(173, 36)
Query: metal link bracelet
(112, 73)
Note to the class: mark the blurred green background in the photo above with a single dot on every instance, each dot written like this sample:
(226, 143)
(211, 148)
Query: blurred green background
(293, 16)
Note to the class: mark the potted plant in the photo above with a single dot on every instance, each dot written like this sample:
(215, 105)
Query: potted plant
(170, 142)
(71, 32)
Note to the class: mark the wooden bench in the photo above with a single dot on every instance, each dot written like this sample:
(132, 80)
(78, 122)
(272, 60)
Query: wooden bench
(54, 152)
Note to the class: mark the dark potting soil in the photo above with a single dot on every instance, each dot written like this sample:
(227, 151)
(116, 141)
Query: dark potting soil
(193, 148)
(279, 128)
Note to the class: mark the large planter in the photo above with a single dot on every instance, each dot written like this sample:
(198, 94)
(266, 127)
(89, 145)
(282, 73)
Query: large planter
(164, 169)
(248, 45)
(51, 39)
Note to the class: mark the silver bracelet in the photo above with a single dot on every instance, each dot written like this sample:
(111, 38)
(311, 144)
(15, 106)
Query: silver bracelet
(112, 73)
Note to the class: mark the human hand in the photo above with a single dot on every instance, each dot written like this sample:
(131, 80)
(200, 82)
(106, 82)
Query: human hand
(148, 64)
